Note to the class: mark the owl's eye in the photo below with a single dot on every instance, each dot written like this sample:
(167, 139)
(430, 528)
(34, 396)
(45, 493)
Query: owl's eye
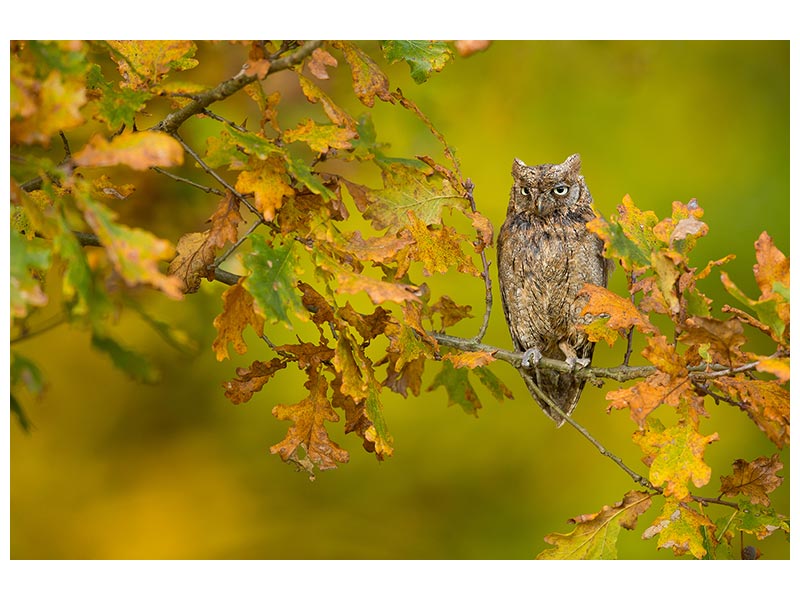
(561, 190)
(525, 191)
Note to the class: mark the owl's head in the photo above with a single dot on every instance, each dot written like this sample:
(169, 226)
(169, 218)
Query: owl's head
(544, 189)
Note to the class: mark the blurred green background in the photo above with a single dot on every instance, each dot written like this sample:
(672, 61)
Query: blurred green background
(115, 469)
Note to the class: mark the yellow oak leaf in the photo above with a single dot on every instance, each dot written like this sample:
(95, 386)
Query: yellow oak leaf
(194, 255)
(681, 529)
(268, 181)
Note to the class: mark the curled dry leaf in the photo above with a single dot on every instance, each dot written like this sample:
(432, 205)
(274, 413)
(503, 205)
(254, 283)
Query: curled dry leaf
(194, 256)
(754, 479)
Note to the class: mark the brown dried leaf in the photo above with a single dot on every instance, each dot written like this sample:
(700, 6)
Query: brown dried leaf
(250, 380)
(238, 311)
(753, 479)
(308, 355)
(225, 222)
(308, 432)
(257, 61)
(368, 79)
(321, 311)
(381, 249)
(194, 255)
(724, 337)
(368, 326)
(451, 312)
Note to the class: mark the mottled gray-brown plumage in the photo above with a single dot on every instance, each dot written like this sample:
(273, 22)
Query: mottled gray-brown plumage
(545, 254)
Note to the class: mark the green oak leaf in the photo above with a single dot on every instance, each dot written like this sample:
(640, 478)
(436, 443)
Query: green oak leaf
(423, 57)
(272, 281)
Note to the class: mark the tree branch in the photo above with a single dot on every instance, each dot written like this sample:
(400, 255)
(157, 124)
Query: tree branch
(174, 120)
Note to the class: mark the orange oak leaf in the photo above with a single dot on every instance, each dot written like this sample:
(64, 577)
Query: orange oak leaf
(307, 443)
(257, 61)
(765, 402)
(139, 150)
(771, 266)
(250, 380)
(225, 221)
(753, 479)
(405, 358)
(238, 311)
(595, 535)
(194, 256)
(621, 314)
(268, 181)
(320, 59)
(663, 356)
(645, 396)
(470, 360)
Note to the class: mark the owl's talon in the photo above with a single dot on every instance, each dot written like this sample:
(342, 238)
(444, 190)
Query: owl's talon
(531, 357)
(576, 363)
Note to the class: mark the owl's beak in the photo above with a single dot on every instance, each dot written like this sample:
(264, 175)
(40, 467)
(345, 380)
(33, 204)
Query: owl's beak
(539, 205)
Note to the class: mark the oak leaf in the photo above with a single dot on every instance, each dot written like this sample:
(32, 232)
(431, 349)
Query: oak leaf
(368, 79)
(470, 360)
(320, 59)
(423, 57)
(765, 402)
(268, 181)
(724, 338)
(238, 311)
(378, 291)
(628, 236)
(142, 62)
(439, 248)
(644, 397)
(320, 138)
(467, 47)
(26, 259)
(458, 387)
(139, 150)
(675, 456)
(272, 279)
(250, 380)
(382, 249)
(336, 114)
(194, 257)
(758, 520)
(682, 529)
(135, 253)
(307, 443)
(754, 479)
(225, 222)
(450, 312)
(368, 326)
(40, 109)
(620, 312)
(595, 535)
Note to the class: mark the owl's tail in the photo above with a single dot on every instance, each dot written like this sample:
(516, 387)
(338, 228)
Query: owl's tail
(564, 389)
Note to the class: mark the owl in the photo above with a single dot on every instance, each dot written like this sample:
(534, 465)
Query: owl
(545, 254)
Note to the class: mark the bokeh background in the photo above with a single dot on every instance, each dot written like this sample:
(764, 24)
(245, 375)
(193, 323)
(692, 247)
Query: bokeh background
(116, 469)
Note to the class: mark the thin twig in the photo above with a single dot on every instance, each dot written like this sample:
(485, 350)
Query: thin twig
(221, 119)
(629, 348)
(199, 186)
(487, 278)
(46, 325)
(640, 479)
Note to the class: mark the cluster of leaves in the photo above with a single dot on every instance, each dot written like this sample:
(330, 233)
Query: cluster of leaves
(702, 359)
(310, 240)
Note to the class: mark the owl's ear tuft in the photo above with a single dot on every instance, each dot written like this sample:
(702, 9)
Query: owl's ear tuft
(573, 163)
(517, 167)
